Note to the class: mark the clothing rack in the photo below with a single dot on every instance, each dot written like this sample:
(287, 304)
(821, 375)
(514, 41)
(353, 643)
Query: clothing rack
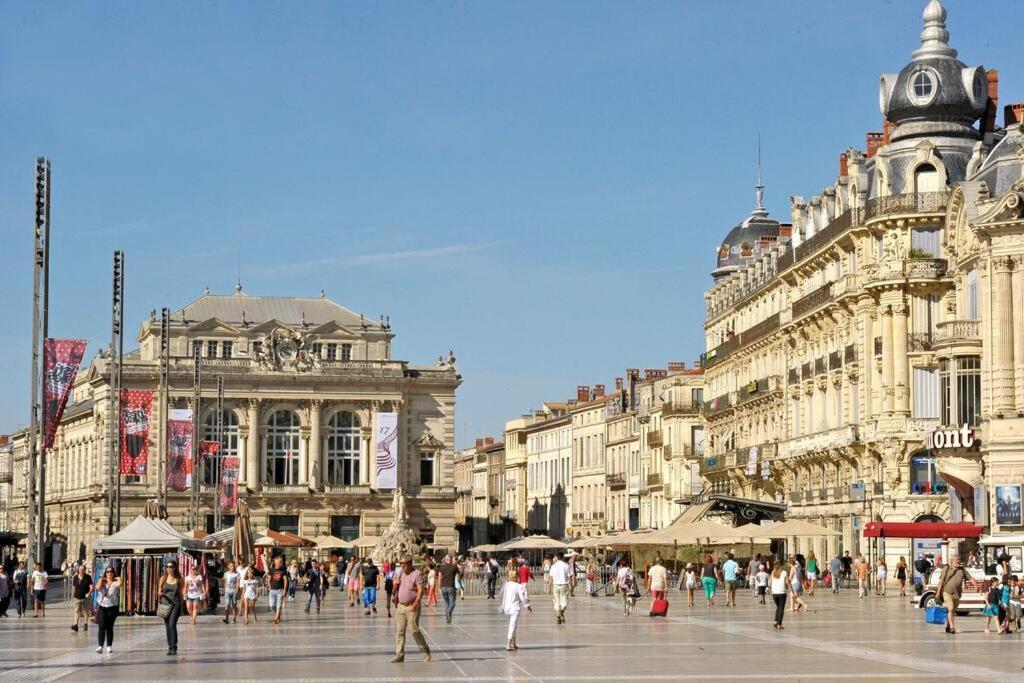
(140, 576)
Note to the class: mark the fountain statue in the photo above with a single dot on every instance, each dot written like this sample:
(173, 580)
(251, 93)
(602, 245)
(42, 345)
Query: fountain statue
(399, 537)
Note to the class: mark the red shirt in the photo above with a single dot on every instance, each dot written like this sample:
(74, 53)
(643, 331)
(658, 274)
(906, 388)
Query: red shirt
(524, 574)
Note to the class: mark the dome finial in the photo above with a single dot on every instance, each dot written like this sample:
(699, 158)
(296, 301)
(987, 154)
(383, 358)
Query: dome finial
(759, 210)
(934, 37)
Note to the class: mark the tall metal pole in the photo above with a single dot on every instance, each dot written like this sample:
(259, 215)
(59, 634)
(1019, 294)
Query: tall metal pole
(38, 261)
(165, 346)
(41, 517)
(197, 380)
(219, 469)
(114, 425)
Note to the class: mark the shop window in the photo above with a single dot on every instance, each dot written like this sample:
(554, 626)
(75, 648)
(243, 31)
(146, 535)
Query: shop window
(287, 523)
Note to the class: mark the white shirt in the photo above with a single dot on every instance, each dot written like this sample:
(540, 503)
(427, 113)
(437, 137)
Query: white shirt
(779, 583)
(659, 577)
(231, 580)
(560, 573)
(249, 585)
(514, 598)
(39, 580)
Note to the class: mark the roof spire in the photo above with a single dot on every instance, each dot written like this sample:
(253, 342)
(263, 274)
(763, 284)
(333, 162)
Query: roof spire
(238, 287)
(934, 37)
(760, 210)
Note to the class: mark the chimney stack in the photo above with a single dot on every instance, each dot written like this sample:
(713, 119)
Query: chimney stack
(582, 393)
(874, 141)
(1013, 114)
(676, 366)
(988, 119)
(843, 170)
(618, 384)
(479, 444)
(488, 441)
(887, 128)
(598, 391)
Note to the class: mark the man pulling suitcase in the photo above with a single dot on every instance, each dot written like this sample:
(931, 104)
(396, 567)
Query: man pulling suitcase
(657, 579)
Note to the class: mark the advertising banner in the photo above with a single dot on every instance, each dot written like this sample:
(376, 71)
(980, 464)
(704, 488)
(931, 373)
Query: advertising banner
(387, 451)
(179, 454)
(61, 359)
(229, 482)
(1008, 504)
(135, 412)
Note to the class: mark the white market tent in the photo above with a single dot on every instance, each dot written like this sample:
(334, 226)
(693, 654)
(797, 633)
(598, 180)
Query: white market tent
(146, 534)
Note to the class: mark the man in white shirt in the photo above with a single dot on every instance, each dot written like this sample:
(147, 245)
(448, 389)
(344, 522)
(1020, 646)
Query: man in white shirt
(657, 580)
(560, 575)
(39, 581)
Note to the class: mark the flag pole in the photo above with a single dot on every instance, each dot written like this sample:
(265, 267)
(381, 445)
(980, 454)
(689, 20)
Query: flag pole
(116, 350)
(197, 379)
(219, 469)
(164, 402)
(38, 264)
(41, 516)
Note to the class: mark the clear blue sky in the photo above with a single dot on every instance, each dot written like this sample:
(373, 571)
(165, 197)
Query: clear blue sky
(540, 186)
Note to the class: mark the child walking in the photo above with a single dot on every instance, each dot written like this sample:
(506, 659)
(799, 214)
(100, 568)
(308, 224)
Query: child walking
(761, 580)
(991, 610)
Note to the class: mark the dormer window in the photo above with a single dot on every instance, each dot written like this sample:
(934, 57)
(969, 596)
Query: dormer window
(922, 87)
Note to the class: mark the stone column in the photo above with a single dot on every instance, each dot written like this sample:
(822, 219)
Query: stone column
(901, 363)
(1002, 336)
(252, 447)
(888, 370)
(1018, 336)
(314, 465)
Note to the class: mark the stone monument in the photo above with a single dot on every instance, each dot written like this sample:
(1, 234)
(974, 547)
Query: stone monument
(398, 538)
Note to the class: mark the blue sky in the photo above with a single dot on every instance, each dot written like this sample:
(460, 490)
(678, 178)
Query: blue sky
(540, 186)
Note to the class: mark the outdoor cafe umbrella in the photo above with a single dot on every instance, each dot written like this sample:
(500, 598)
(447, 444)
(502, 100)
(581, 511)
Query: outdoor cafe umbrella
(594, 541)
(693, 533)
(365, 542)
(328, 542)
(487, 548)
(538, 542)
(242, 548)
(795, 527)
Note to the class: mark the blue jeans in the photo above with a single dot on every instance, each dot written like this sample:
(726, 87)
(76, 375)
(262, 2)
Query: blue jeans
(309, 600)
(449, 602)
(369, 597)
(276, 599)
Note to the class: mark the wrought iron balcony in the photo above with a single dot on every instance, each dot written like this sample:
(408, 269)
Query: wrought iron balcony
(816, 299)
(654, 480)
(655, 438)
(910, 203)
(820, 441)
(615, 480)
(674, 408)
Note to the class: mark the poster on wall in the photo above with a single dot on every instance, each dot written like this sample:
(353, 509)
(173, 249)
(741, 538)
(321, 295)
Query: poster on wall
(387, 451)
(179, 454)
(135, 411)
(61, 358)
(1008, 504)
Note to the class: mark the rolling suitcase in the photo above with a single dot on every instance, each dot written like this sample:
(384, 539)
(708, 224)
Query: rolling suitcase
(659, 608)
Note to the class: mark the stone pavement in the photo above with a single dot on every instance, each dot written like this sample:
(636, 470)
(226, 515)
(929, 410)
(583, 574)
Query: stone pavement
(844, 637)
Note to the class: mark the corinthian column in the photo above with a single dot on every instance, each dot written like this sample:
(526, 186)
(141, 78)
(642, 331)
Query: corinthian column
(315, 466)
(1002, 335)
(888, 370)
(901, 364)
(252, 447)
(1018, 334)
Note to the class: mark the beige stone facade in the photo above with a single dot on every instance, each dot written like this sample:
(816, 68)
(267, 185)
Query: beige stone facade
(304, 381)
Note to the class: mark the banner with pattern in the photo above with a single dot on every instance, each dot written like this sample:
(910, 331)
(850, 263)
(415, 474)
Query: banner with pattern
(61, 359)
(179, 454)
(229, 482)
(136, 406)
(387, 451)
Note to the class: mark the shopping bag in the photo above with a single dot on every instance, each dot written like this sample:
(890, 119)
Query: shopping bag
(936, 614)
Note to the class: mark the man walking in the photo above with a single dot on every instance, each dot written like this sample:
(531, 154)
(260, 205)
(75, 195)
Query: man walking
(657, 581)
(559, 575)
(371, 577)
(6, 588)
(951, 588)
(847, 567)
(492, 576)
(314, 587)
(835, 568)
(752, 568)
(81, 589)
(730, 572)
(21, 589)
(409, 586)
(449, 572)
(277, 582)
(862, 568)
(39, 582)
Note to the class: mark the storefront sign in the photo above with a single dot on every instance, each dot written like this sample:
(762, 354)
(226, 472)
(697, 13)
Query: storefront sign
(952, 438)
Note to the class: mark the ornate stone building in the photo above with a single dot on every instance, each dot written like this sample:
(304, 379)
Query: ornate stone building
(888, 308)
(304, 381)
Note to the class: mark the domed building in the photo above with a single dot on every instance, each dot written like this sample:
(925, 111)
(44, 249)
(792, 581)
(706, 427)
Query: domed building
(748, 241)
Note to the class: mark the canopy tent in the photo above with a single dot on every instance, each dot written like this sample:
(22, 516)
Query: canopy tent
(487, 548)
(922, 530)
(365, 541)
(538, 542)
(226, 537)
(628, 538)
(703, 530)
(289, 540)
(146, 534)
(329, 542)
(795, 527)
(594, 541)
(748, 530)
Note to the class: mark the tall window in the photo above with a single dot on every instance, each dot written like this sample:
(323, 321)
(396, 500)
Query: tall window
(927, 179)
(227, 349)
(345, 527)
(318, 349)
(288, 523)
(926, 392)
(343, 435)
(346, 352)
(332, 352)
(960, 390)
(211, 349)
(971, 295)
(283, 448)
(228, 444)
(427, 459)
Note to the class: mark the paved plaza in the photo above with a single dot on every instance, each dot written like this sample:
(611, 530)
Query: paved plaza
(844, 637)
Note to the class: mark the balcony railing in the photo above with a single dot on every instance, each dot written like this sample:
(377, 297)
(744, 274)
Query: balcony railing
(654, 438)
(914, 202)
(796, 497)
(850, 354)
(821, 441)
(815, 242)
(956, 330)
(919, 341)
(835, 360)
(794, 376)
(673, 408)
(653, 480)
(615, 480)
(820, 366)
(819, 297)
(720, 403)
(806, 371)
(748, 336)
(823, 494)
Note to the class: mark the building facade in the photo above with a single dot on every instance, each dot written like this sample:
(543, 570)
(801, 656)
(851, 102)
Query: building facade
(839, 343)
(549, 473)
(304, 381)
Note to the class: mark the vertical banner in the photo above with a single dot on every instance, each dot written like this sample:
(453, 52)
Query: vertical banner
(179, 454)
(208, 449)
(387, 451)
(229, 482)
(135, 412)
(61, 358)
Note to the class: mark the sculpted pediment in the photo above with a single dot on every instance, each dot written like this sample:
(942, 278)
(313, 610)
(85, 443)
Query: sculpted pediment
(334, 329)
(268, 326)
(213, 325)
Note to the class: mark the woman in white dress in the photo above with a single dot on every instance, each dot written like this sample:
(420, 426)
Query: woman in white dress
(514, 598)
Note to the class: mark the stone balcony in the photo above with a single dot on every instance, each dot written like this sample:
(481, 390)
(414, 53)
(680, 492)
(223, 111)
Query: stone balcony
(953, 332)
(840, 437)
(909, 428)
(926, 269)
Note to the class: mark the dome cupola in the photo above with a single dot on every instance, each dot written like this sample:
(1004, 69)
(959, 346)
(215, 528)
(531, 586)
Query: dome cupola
(748, 240)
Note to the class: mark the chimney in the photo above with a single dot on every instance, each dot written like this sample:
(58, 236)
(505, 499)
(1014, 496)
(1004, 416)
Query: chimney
(479, 444)
(988, 119)
(488, 441)
(618, 384)
(676, 366)
(887, 129)
(874, 141)
(1013, 114)
(582, 393)
(843, 171)
(598, 391)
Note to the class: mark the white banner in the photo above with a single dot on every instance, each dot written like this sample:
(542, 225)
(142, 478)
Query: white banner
(387, 451)
(752, 461)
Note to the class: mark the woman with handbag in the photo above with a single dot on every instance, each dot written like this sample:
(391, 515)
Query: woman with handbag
(169, 604)
(108, 602)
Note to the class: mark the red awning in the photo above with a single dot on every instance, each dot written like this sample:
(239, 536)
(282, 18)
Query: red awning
(922, 530)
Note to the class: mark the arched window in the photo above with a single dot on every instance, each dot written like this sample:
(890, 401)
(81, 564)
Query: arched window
(228, 444)
(283, 448)
(343, 435)
(927, 179)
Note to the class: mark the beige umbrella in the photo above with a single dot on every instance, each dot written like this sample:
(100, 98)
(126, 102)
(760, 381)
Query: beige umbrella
(486, 548)
(365, 542)
(703, 530)
(594, 541)
(748, 530)
(242, 547)
(328, 542)
(795, 527)
(538, 542)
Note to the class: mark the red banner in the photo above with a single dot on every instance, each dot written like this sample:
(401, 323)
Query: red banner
(229, 482)
(135, 412)
(208, 449)
(61, 358)
(179, 454)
